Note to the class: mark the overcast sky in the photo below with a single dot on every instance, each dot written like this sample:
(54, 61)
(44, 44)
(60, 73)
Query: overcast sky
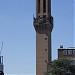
(19, 36)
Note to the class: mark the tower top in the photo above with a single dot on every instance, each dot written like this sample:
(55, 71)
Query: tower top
(1, 61)
(43, 8)
(1, 48)
(1, 57)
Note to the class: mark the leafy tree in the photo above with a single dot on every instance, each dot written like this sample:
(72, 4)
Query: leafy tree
(61, 67)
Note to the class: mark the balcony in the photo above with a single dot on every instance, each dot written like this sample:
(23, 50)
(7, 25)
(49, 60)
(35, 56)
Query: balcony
(43, 20)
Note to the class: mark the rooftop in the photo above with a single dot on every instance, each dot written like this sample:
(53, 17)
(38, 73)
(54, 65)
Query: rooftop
(67, 48)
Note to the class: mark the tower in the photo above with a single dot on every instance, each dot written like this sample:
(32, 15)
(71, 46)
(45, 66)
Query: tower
(43, 24)
(1, 65)
(1, 61)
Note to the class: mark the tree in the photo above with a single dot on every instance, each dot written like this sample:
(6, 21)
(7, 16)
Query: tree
(61, 67)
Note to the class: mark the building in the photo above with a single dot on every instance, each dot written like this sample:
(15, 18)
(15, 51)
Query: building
(1, 66)
(67, 53)
(43, 24)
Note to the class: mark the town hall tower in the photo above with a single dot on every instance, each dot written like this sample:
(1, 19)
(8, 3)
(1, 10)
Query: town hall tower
(43, 24)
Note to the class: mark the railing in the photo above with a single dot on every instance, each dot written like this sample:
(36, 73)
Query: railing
(43, 20)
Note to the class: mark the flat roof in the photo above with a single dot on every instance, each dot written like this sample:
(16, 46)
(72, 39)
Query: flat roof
(67, 48)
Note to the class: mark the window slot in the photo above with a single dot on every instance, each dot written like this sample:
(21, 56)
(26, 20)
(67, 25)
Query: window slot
(45, 61)
(45, 38)
(44, 6)
(46, 50)
(38, 6)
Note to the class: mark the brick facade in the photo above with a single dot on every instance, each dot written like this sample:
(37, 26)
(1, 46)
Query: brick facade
(70, 52)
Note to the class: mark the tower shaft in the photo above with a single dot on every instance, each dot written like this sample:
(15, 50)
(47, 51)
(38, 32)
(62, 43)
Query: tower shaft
(1, 66)
(43, 24)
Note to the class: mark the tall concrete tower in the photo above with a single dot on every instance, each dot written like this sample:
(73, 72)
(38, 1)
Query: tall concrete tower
(1, 65)
(43, 24)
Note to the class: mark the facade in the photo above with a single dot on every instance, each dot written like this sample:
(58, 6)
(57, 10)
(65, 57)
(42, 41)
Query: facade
(67, 53)
(43, 24)
(1, 65)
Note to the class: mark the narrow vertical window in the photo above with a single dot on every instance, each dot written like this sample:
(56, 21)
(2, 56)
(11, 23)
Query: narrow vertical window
(49, 6)
(44, 5)
(38, 6)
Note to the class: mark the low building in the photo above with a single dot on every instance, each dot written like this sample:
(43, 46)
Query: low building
(67, 53)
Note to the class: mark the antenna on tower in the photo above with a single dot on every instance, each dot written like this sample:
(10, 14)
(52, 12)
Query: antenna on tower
(1, 48)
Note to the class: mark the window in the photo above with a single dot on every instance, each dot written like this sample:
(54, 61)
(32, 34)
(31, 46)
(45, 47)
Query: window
(45, 61)
(44, 5)
(73, 51)
(49, 4)
(45, 38)
(44, 16)
(69, 52)
(46, 50)
(38, 6)
(65, 52)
